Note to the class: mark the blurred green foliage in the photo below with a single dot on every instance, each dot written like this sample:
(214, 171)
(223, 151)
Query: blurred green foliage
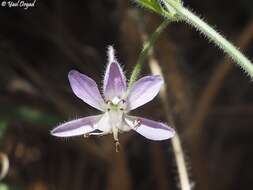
(153, 5)
(27, 114)
(3, 126)
(4, 186)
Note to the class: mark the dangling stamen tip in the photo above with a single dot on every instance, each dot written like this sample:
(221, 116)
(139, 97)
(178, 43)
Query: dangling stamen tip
(137, 123)
(117, 146)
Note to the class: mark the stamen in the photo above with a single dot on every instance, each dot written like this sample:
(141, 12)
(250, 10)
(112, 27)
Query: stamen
(136, 123)
(117, 146)
(115, 131)
(108, 102)
(122, 105)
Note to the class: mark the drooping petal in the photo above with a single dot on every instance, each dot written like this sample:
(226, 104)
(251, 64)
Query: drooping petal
(114, 79)
(144, 90)
(86, 89)
(150, 129)
(76, 127)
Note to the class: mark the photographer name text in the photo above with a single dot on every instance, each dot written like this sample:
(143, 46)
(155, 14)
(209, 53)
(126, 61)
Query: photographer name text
(22, 4)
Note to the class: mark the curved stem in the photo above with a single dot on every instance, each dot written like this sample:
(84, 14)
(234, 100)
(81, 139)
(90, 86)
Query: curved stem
(189, 17)
(214, 86)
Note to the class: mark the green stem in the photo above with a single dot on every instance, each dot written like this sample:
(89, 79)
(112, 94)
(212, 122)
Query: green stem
(190, 18)
(144, 52)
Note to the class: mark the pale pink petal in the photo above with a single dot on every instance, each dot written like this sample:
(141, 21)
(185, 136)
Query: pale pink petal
(86, 89)
(150, 129)
(143, 91)
(114, 79)
(76, 127)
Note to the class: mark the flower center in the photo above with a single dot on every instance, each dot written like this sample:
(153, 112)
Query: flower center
(115, 110)
(116, 104)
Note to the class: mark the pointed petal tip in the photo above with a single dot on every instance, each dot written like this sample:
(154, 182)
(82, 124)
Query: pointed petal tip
(114, 83)
(158, 78)
(111, 54)
(57, 132)
(110, 48)
(171, 132)
(72, 72)
(54, 132)
(165, 133)
(150, 129)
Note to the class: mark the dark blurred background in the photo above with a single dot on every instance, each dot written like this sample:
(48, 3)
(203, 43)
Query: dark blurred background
(210, 98)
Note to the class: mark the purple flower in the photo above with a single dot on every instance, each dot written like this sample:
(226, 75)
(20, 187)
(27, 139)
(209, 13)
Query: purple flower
(118, 101)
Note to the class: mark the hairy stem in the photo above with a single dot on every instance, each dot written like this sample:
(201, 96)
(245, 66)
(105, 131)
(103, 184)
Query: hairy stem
(189, 17)
(214, 85)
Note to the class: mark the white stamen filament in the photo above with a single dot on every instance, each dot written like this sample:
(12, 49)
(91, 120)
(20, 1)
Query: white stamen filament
(115, 108)
(115, 132)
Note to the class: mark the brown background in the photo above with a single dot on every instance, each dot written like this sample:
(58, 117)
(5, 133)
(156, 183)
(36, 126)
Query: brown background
(211, 100)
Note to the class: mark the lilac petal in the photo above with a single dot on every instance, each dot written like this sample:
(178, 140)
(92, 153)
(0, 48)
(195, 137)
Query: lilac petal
(150, 129)
(114, 79)
(86, 89)
(76, 127)
(144, 90)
